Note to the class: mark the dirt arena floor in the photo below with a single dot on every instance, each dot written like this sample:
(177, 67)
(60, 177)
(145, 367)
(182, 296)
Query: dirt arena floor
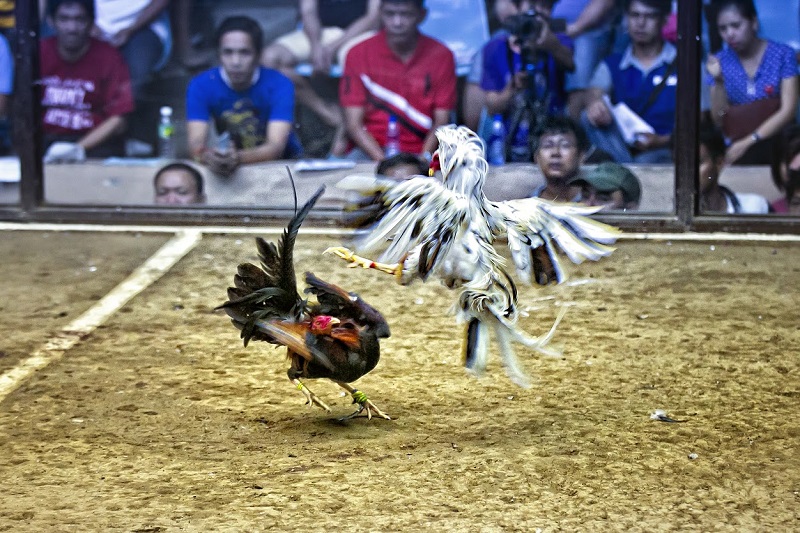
(159, 420)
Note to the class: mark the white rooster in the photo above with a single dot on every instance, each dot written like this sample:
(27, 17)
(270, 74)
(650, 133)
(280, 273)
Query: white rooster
(447, 229)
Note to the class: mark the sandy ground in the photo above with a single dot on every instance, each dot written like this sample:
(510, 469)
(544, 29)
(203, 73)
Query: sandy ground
(48, 279)
(162, 421)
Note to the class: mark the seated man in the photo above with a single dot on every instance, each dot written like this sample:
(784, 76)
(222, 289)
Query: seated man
(716, 198)
(86, 90)
(473, 98)
(523, 73)
(398, 72)
(559, 145)
(589, 26)
(330, 28)
(178, 184)
(140, 30)
(253, 104)
(611, 185)
(643, 78)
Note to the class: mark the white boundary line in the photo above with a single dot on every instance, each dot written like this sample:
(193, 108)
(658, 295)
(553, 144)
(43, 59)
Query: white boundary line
(141, 278)
(344, 232)
(234, 230)
(699, 237)
(185, 239)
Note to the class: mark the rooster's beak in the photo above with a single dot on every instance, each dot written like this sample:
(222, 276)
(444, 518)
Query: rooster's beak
(435, 164)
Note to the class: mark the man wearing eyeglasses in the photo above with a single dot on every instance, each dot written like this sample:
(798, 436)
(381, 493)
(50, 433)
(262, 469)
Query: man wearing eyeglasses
(640, 82)
(558, 148)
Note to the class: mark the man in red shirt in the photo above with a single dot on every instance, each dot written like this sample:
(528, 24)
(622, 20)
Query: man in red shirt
(86, 88)
(397, 72)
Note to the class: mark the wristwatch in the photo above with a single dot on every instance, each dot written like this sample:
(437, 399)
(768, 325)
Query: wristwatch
(755, 136)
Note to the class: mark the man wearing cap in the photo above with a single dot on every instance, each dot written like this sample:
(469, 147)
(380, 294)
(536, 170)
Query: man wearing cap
(611, 185)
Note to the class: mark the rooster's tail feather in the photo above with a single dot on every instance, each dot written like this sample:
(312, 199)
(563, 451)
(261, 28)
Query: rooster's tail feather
(270, 291)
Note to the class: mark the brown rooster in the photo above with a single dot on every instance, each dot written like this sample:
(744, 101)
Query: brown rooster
(337, 338)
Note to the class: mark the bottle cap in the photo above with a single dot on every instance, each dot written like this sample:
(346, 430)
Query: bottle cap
(166, 111)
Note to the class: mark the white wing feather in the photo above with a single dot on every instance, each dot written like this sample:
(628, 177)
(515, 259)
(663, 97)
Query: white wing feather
(533, 222)
(420, 209)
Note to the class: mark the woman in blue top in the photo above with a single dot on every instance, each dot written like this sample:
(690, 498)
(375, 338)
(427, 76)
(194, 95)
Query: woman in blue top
(749, 69)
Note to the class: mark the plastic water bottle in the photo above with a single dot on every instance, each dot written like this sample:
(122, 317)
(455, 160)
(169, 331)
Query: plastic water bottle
(392, 138)
(520, 149)
(497, 142)
(166, 134)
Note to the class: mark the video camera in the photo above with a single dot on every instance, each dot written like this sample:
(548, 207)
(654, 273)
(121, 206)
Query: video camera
(527, 27)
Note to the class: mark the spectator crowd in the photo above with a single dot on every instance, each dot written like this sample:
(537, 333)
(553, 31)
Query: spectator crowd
(573, 81)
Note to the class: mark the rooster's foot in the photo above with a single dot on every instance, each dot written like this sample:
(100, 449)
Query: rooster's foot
(358, 261)
(364, 404)
(311, 398)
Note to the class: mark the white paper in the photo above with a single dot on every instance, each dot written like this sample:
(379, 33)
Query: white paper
(629, 123)
(9, 170)
(305, 165)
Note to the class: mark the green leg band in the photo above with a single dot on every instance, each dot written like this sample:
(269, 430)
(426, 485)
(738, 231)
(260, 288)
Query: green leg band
(359, 397)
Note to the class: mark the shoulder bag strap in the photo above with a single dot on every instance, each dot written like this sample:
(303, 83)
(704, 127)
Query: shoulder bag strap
(658, 88)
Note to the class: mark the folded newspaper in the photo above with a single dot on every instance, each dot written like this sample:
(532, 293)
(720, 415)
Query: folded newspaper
(629, 123)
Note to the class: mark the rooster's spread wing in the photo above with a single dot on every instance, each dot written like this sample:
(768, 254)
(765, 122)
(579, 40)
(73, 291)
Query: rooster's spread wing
(533, 226)
(335, 301)
(420, 211)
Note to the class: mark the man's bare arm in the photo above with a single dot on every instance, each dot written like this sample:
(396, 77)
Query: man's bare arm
(368, 22)
(312, 27)
(197, 134)
(561, 53)
(150, 12)
(593, 14)
(354, 121)
(441, 117)
(107, 129)
(275, 144)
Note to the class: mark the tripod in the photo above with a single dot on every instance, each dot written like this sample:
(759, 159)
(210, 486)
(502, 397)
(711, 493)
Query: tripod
(529, 109)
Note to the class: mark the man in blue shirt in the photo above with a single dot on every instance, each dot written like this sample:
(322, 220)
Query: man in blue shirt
(642, 77)
(252, 104)
(526, 65)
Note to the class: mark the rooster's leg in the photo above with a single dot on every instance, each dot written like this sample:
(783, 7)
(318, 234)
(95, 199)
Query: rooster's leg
(310, 396)
(357, 261)
(365, 403)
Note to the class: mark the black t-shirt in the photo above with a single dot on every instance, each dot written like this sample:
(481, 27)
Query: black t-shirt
(340, 13)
